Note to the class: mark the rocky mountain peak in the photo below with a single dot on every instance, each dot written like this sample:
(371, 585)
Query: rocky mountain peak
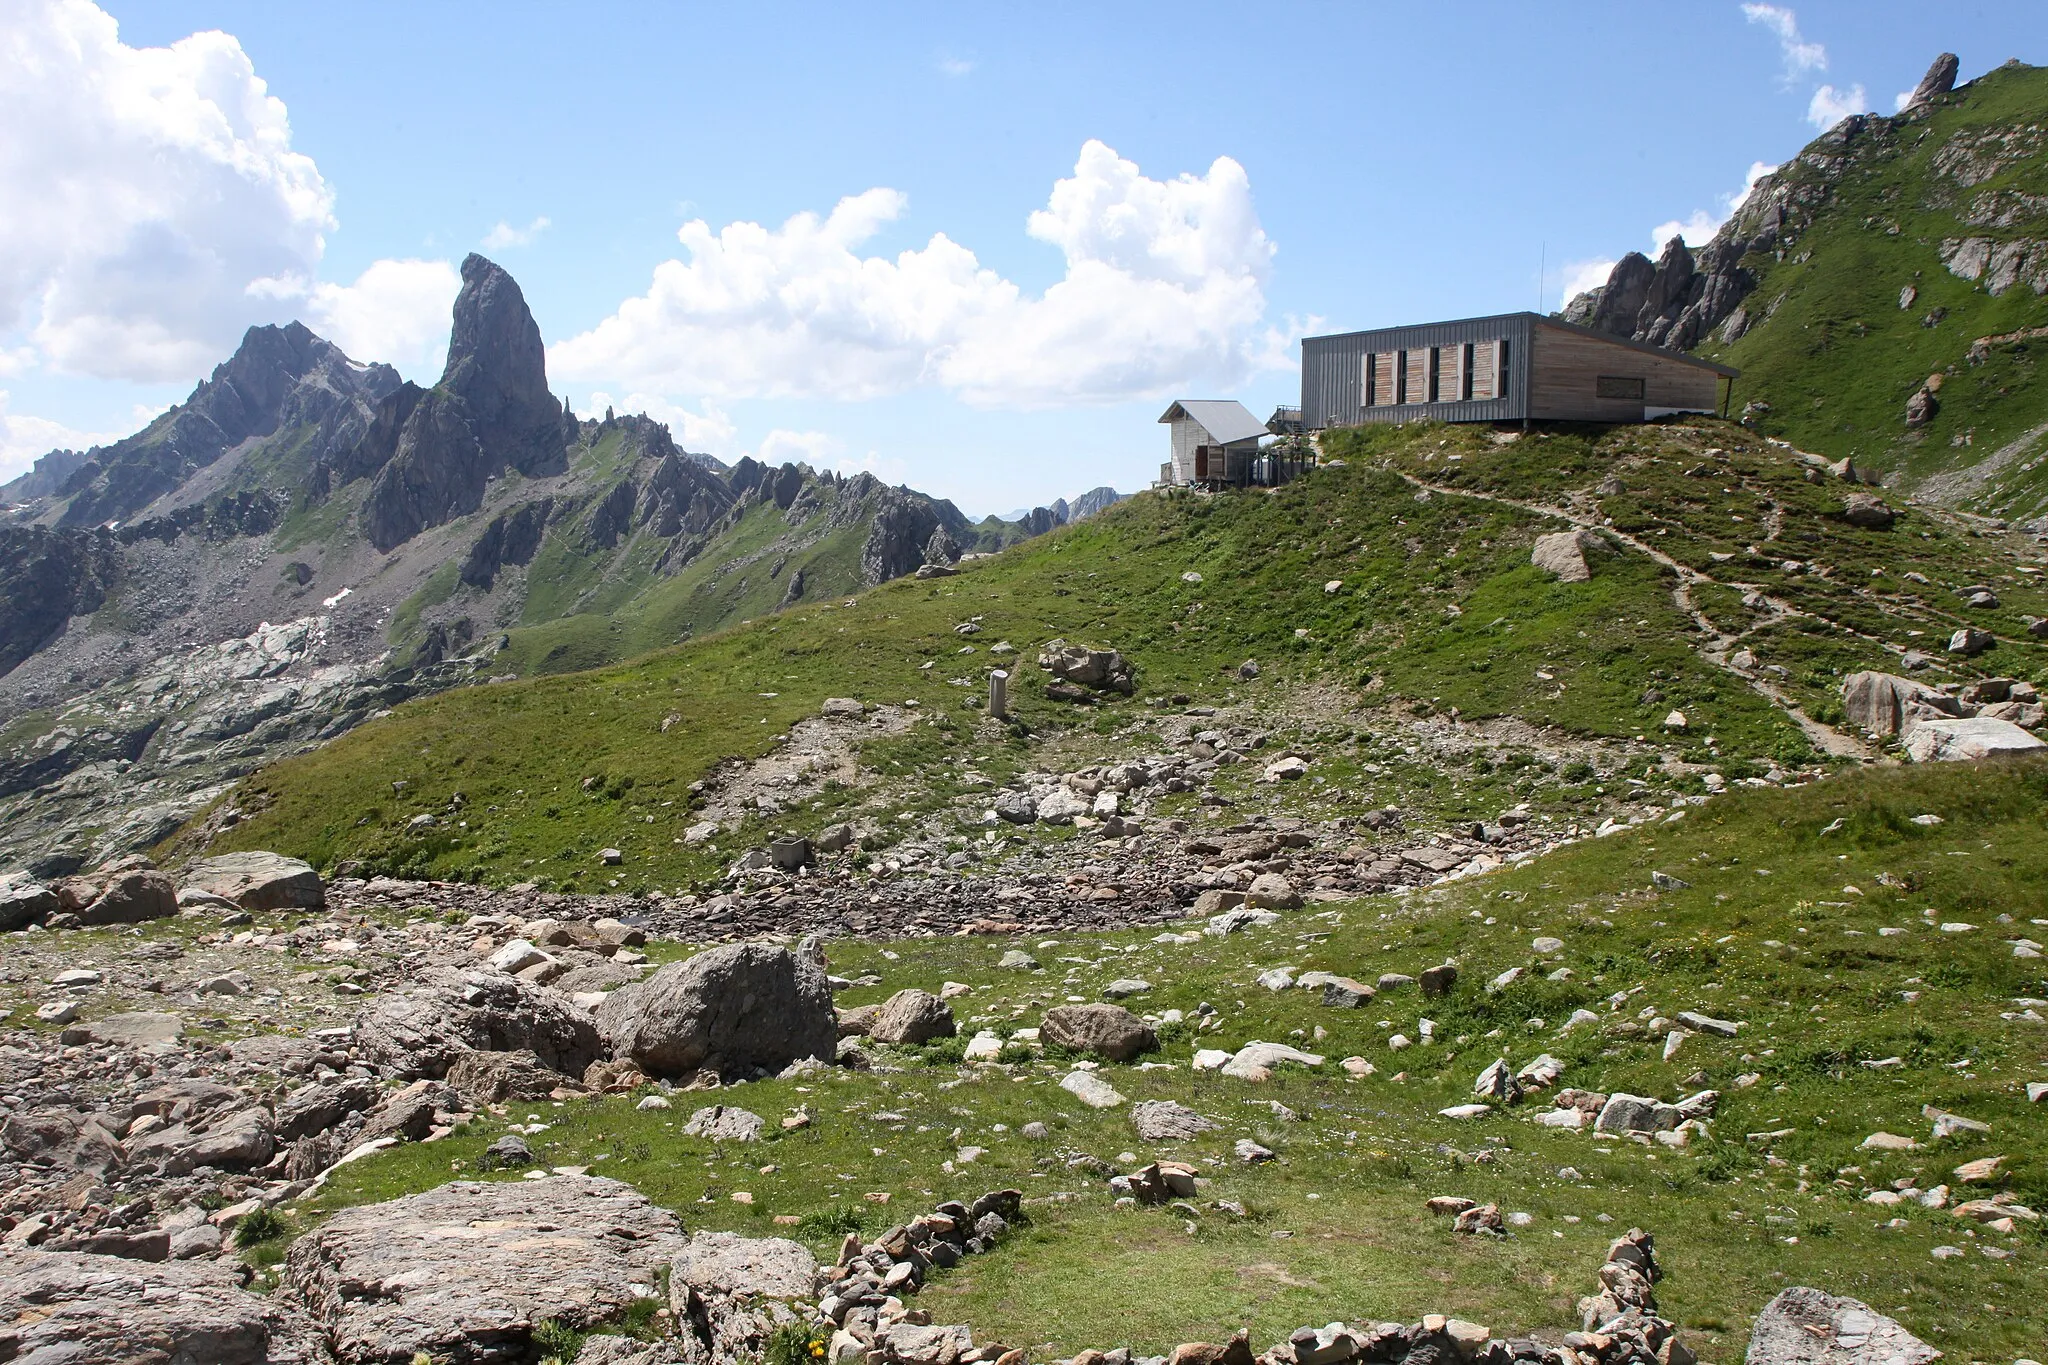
(498, 366)
(1939, 80)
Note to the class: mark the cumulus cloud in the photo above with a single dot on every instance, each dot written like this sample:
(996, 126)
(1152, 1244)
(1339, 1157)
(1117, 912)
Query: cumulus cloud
(24, 439)
(1702, 224)
(706, 430)
(396, 311)
(1163, 289)
(1800, 55)
(505, 235)
(147, 191)
(1579, 276)
(1830, 106)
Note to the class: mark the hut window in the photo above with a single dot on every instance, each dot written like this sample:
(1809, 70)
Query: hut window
(1416, 387)
(1381, 368)
(1618, 386)
(1450, 374)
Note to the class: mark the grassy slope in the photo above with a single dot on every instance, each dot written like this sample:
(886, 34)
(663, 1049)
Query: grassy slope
(1439, 605)
(1770, 933)
(1838, 358)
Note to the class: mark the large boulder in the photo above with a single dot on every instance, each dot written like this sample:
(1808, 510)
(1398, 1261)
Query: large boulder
(424, 1029)
(258, 881)
(1809, 1327)
(912, 1017)
(464, 1272)
(125, 891)
(740, 1009)
(24, 901)
(1878, 703)
(1952, 741)
(1868, 511)
(732, 1292)
(81, 1309)
(1562, 554)
(1109, 1031)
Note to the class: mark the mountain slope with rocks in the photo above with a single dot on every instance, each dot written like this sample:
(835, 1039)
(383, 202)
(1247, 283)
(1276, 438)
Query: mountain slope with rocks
(1882, 294)
(307, 540)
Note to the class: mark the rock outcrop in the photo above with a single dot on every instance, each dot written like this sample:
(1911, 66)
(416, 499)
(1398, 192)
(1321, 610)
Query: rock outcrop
(1939, 80)
(84, 1309)
(735, 1011)
(47, 577)
(1804, 1326)
(425, 1029)
(1108, 1031)
(467, 1271)
(258, 881)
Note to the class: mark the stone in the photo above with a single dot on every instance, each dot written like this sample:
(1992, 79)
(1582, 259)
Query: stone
(258, 881)
(1952, 741)
(1165, 1121)
(24, 901)
(1939, 80)
(1868, 511)
(1255, 1061)
(1970, 641)
(1108, 1031)
(725, 1123)
(741, 1007)
(1876, 702)
(1804, 1326)
(516, 956)
(1017, 960)
(1091, 1090)
(83, 1309)
(466, 1270)
(1562, 554)
(908, 1343)
(1546, 946)
(1017, 808)
(312, 1109)
(911, 1017)
(1982, 1171)
(1704, 1023)
(1625, 1113)
(835, 839)
(1341, 992)
(130, 895)
(1496, 1082)
(842, 708)
(732, 1293)
(1235, 921)
(486, 1078)
(1271, 891)
(420, 1030)
(1466, 1111)
(1252, 1153)
(142, 1030)
(1123, 988)
(1480, 1220)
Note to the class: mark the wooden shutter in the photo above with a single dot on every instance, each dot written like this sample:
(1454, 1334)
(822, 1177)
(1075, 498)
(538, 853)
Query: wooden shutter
(1416, 389)
(1486, 358)
(1450, 374)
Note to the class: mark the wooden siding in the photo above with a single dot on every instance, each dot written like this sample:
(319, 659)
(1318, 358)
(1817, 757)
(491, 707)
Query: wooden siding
(1450, 374)
(1565, 368)
(1486, 357)
(1415, 375)
(1383, 367)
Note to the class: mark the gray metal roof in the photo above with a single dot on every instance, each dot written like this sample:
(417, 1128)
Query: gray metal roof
(1226, 419)
(1539, 319)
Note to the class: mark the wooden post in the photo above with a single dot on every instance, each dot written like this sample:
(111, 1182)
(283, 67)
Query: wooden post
(999, 694)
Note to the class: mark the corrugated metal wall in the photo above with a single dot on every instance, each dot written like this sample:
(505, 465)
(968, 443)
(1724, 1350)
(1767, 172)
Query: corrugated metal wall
(1333, 373)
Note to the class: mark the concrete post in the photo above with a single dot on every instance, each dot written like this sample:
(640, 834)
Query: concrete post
(999, 694)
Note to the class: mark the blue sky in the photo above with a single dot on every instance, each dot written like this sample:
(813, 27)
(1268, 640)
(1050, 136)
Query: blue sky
(1209, 182)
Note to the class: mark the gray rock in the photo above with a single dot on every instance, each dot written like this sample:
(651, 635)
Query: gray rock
(1868, 511)
(258, 881)
(1123, 988)
(24, 901)
(1939, 80)
(1091, 1090)
(1636, 1114)
(1017, 960)
(130, 895)
(464, 1271)
(315, 1108)
(1876, 703)
(1271, 891)
(1953, 741)
(1016, 807)
(423, 1029)
(912, 1017)
(1562, 554)
(408, 1112)
(1970, 642)
(1165, 1121)
(1804, 1326)
(725, 1123)
(905, 1343)
(739, 1008)
(76, 1308)
(731, 1293)
(142, 1030)
(1341, 992)
(1108, 1031)
(1706, 1023)
(508, 1152)
(482, 1078)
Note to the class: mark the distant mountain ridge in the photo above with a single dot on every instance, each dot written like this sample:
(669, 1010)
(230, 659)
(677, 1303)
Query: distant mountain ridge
(414, 537)
(1882, 293)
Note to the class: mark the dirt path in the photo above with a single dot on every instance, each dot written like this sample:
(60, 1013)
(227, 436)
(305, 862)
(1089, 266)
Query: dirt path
(1720, 645)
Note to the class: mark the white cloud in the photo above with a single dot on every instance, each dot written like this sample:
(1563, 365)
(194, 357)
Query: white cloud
(955, 67)
(1901, 100)
(505, 235)
(24, 439)
(1800, 55)
(1579, 276)
(1163, 289)
(708, 431)
(1830, 106)
(396, 311)
(1699, 228)
(146, 189)
(814, 448)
